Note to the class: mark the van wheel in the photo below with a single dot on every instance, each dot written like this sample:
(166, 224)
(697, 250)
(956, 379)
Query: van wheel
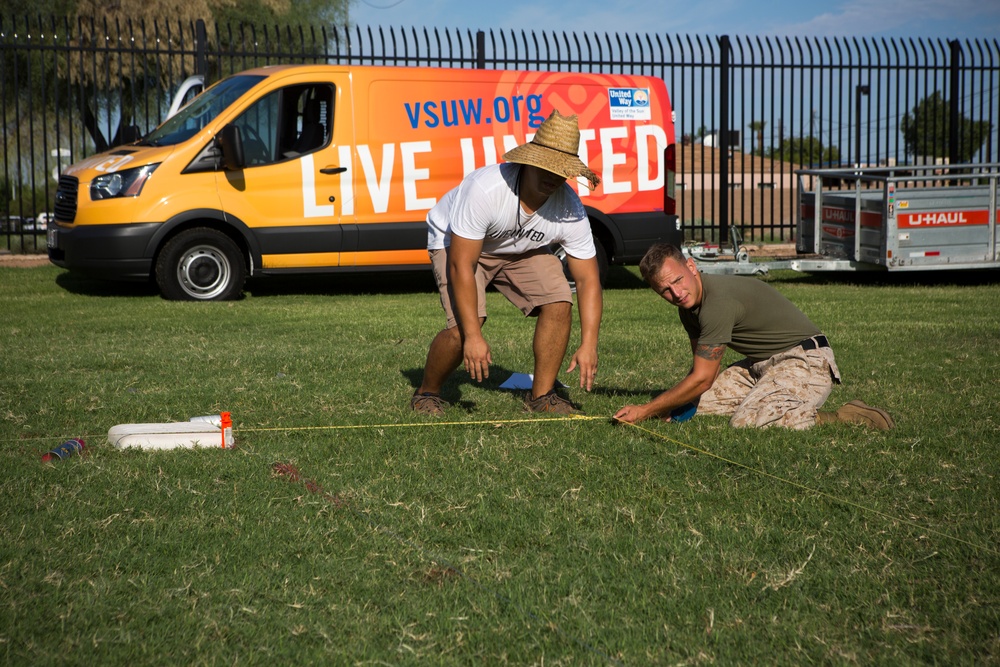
(200, 264)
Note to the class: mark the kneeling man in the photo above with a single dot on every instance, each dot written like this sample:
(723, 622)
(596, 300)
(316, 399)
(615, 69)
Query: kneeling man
(788, 370)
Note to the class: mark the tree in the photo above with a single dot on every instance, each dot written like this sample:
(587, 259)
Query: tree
(926, 130)
(109, 65)
(757, 127)
(807, 151)
(283, 25)
(285, 12)
(106, 66)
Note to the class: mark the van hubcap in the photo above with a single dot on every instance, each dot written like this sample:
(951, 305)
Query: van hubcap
(204, 272)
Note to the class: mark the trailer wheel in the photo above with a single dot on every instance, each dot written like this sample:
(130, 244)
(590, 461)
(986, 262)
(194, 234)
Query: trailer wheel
(200, 264)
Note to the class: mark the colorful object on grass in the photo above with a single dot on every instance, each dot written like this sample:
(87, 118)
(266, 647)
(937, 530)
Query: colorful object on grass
(207, 431)
(227, 430)
(518, 381)
(683, 413)
(65, 450)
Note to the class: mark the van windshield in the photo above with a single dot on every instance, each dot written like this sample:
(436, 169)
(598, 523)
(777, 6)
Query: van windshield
(201, 111)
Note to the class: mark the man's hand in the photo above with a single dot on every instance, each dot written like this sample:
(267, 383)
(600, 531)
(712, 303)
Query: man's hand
(476, 353)
(586, 359)
(630, 414)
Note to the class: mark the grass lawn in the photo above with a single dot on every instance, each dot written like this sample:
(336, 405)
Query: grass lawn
(343, 529)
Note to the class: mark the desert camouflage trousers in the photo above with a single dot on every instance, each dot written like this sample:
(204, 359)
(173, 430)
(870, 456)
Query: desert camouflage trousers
(784, 390)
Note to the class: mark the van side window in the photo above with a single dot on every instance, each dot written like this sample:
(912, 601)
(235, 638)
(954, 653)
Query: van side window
(308, 111)
(287, 123)
(258, 125)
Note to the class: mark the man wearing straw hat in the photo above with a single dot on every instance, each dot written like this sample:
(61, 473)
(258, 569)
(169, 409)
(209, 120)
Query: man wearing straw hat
(496, 228)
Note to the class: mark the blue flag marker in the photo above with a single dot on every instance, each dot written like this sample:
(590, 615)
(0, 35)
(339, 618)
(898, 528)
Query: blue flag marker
(523, 381)
(683, 413)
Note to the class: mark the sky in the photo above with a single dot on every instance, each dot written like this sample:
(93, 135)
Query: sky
(944, 19)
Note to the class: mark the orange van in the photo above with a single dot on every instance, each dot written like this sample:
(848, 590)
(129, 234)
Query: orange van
(324, 168)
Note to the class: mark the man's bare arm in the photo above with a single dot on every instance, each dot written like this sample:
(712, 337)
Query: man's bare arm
(705, 368)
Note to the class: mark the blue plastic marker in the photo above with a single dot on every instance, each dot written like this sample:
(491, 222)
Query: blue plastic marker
(683, 413)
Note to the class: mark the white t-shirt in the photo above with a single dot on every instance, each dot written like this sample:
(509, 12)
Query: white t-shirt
(485, 205)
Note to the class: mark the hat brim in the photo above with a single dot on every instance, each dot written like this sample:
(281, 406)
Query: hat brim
(564, 164)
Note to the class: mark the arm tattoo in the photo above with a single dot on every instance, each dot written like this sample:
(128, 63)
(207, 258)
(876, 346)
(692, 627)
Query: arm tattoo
(710, 352)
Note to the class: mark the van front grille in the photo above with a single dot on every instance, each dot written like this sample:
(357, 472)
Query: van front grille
(66, 194)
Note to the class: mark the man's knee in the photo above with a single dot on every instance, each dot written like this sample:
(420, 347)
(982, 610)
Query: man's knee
(450, 337)
(557, 310)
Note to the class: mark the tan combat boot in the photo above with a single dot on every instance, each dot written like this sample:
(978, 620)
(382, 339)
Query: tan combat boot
(858, 412)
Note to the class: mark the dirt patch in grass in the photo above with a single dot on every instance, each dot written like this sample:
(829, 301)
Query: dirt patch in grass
(22, 261)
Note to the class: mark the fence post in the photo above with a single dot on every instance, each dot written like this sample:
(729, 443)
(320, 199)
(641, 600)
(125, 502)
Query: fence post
(722, 139)
(200, 39)
(953, 117)
(480, 49)
(860, 91)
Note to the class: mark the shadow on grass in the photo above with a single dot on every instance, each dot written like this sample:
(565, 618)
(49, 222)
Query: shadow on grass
(410, 282)
(387, 282)
(422, 282)
(452, 390)
(75, 283)
(379, 282)
(376, 282)
(622, 277)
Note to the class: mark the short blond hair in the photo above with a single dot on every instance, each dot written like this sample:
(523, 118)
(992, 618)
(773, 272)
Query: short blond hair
(654, 258)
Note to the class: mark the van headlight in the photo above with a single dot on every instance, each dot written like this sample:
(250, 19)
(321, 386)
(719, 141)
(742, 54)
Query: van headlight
(125, 183)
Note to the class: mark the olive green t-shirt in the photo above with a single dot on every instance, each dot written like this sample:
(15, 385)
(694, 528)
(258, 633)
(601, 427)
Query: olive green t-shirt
(748, 315)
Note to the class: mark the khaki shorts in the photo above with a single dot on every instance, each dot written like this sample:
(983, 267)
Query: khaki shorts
(528, 280)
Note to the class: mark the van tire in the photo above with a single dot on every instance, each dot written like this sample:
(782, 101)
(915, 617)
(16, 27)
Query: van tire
(200, 264)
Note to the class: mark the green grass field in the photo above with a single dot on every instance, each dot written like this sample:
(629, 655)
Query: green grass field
(382, 538)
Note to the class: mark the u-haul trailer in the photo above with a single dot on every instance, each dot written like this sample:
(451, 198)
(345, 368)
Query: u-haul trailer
(912, 218)
(898, 218)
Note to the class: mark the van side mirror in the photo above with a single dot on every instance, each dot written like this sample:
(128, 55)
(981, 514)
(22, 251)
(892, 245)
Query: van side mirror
(231, 144)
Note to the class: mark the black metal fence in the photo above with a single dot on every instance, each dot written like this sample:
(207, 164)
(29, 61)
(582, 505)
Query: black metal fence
(749, 110)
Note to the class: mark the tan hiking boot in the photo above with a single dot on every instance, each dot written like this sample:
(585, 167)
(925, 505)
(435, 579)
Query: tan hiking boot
(858, 412)
(428, 404)
(550, 402)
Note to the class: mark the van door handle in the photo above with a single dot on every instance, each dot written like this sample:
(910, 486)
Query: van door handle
(333, 170)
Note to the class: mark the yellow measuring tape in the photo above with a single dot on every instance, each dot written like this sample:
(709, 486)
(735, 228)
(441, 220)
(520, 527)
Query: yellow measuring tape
(484, 422)
(655, 434)
(824, 494)
(660, 436)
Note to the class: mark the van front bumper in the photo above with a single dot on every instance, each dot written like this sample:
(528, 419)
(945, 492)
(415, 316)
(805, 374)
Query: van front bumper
(119, 252)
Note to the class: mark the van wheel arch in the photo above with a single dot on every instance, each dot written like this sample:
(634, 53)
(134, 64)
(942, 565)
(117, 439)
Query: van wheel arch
(606, 233)
(201, 264)
(602, 261)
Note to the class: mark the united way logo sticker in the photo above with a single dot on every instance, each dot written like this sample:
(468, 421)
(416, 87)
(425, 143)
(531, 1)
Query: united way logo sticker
(629, 103)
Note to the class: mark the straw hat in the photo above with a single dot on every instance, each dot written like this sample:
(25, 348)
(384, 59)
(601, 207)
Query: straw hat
(555, 148)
